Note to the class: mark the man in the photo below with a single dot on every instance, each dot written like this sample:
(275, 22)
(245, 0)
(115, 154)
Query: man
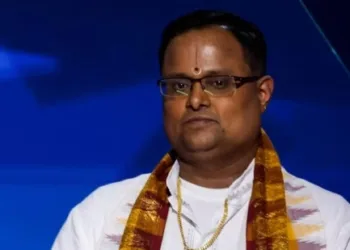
(222, 186)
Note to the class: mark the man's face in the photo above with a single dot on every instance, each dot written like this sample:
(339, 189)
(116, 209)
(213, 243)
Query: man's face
(233, 120)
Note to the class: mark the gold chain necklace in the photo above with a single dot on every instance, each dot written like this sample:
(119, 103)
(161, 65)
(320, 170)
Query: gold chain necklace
(179, 213)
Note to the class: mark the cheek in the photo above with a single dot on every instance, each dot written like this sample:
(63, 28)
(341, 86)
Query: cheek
(231, 118)
(173, 112)
(239, 117)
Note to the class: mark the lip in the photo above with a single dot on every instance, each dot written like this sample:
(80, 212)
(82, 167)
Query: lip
(199, 119)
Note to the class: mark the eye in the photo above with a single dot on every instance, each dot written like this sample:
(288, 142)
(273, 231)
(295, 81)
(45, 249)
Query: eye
(179, 85)
(220, 83)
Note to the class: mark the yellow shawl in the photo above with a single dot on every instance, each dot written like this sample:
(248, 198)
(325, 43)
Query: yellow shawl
(268, 225)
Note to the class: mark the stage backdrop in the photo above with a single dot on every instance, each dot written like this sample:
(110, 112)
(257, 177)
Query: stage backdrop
(80, 108)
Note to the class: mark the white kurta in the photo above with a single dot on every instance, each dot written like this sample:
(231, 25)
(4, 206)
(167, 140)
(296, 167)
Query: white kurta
(97, 223)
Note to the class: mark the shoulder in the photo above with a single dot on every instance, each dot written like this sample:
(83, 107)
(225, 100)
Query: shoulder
(327, 201)
(114, 193)
(85, 222)
(332, 206)
(334, 211)
(107, 198)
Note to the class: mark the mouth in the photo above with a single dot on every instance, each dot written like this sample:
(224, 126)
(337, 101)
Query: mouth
(199, 121)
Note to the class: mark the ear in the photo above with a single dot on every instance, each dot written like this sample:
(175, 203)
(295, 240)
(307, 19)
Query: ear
(265, 90)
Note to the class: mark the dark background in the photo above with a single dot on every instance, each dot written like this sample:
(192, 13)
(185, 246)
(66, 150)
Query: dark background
(79, 105)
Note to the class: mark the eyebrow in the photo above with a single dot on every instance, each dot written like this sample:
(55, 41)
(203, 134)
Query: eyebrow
(176, 75)
(205, 73)
(219, 72)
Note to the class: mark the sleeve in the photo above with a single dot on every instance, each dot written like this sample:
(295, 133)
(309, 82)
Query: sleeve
(73, 235)
(343, 239)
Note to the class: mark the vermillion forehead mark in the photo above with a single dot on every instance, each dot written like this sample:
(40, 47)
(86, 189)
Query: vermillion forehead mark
(196, 70)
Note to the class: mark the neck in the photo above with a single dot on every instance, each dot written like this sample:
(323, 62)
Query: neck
(218, 173)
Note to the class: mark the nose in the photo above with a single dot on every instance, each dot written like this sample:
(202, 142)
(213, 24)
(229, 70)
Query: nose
(197, 98)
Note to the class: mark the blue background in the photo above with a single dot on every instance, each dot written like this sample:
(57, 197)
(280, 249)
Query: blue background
(80, 108)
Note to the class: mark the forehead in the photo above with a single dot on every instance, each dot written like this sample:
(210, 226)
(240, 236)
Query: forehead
(210, 49)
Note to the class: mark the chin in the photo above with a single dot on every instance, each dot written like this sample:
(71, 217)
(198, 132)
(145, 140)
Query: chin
(199, 147)
(197, 142)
